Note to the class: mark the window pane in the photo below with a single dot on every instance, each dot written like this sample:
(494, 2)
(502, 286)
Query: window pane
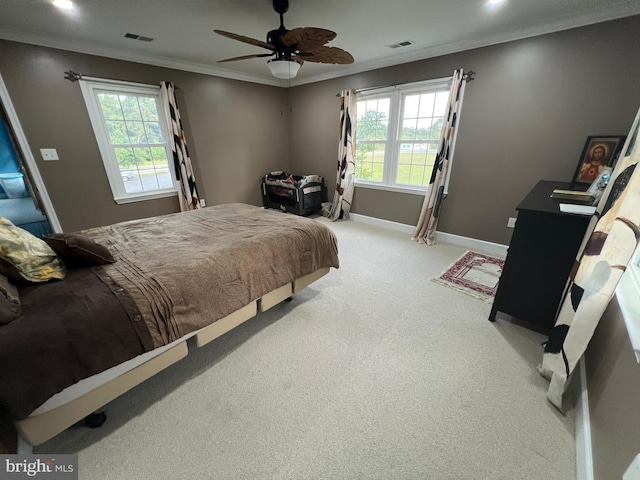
(426, 104)
(153, 131)
(424, 129)
(145, 169)
(413, 175)
(148, 109)
(126, 158)
(442, 99)
(373, 119)
(408, 129)
(415, 162)
(164, 178)
(370, 161)
(381, 105)
(159, 155)
(130, 108)
(411, 104)
(136, 132)
(117, 132)
(436, 129)
(132, 181)
(110, 105)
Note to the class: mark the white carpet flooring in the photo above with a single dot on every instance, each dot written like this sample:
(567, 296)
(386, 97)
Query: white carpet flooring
(373, 372)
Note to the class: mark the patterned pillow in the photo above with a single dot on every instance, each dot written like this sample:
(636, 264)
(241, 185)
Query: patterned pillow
(26, 257)
(9, 301)
(76, 250)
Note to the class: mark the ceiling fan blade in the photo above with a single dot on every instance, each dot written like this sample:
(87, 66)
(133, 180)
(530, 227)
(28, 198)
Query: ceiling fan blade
(307, 37)
(327, 55)
(297, 59)
(245, 57)
(242, 38)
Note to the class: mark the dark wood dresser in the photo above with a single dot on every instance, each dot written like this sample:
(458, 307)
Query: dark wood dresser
(540, 257)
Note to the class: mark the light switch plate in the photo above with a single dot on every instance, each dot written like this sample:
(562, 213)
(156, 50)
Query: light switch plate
(49, 154)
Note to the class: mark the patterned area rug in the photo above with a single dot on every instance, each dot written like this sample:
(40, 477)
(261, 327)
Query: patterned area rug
(475, 274)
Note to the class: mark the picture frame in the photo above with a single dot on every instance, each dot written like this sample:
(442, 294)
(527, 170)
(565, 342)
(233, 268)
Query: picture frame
(599, 151)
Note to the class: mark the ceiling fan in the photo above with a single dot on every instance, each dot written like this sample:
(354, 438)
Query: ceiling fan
(292, 48)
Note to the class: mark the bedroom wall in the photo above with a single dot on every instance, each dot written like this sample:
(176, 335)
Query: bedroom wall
(525, 118)
(613, 379)
(230, 127)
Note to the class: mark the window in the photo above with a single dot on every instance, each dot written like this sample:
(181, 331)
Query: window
(398, 133)
(131, 129)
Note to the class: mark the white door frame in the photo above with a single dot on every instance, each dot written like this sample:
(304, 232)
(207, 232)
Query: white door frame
(30, 162)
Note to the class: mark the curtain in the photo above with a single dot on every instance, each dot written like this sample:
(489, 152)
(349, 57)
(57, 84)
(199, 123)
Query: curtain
(609, 244)
(346, 157)
(425, 231)
(187, 191)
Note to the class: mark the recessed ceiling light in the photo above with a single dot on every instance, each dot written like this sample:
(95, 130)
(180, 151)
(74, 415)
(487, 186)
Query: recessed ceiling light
(494, 2)
(64, 4)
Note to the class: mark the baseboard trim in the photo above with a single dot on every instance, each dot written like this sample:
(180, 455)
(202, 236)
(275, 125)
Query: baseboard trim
(584, 452)
(467, 242)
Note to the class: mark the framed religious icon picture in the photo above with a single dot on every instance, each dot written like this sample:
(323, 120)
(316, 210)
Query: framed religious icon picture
(599, 151)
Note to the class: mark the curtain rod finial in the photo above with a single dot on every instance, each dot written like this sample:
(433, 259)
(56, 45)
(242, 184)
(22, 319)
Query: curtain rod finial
(72, 76)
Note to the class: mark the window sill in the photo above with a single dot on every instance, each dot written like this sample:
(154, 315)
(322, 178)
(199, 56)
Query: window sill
(146, 196)
(392, 188)
(627, 295)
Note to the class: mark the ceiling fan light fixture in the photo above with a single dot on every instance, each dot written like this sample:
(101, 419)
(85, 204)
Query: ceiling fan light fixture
(283, 69)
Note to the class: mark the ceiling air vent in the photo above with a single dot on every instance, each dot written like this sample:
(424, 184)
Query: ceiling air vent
(138, 37)
(401, 44)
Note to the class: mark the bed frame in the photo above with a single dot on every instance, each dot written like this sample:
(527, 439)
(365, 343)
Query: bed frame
(39, 428)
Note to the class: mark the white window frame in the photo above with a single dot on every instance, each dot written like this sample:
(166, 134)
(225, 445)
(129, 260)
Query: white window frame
(90, 90)
(397, 94)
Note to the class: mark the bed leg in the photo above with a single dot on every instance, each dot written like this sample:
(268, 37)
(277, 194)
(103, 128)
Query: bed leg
(288, 299)
(95, 420)
(23, 447)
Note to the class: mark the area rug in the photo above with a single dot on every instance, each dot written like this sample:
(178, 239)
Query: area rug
(475, 274)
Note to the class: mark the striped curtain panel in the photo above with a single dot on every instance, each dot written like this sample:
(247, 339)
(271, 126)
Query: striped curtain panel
(609, 244)
(187, 191)
(346, 157)
(425, 231)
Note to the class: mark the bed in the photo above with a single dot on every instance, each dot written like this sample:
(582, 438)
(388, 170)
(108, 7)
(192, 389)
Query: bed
(82, 341)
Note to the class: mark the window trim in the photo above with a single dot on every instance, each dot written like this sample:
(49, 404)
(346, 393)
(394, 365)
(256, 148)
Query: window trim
(90, 89)
(396, 93)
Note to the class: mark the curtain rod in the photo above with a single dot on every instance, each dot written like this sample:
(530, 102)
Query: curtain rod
(74, 77)
(468, 76)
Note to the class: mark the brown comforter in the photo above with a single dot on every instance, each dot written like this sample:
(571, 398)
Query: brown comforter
(187, 270)
(174, 274)
(68, 330)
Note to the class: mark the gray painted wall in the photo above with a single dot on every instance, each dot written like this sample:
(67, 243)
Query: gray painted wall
(613, 379)
(230, 127)
(525, 118)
